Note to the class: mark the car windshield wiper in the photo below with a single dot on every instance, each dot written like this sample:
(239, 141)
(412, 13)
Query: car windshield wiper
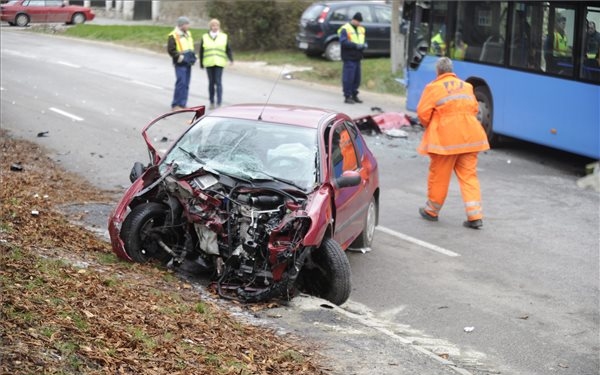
(191, 155)
(283, 180)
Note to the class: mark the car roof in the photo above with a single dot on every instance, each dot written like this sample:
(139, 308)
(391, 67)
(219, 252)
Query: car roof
(283, 114)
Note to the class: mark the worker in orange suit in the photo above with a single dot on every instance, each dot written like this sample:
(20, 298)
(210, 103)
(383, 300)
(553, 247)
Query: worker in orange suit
(453, 137)
(348, 154)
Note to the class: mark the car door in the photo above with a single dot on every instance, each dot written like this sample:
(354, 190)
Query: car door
(36, 10)
(56, 11)
(349, 201)
(381, 29)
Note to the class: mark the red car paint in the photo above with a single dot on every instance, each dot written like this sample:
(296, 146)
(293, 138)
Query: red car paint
(40, 11)
(335, 204)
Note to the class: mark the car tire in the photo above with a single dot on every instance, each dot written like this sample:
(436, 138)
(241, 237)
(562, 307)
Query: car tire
(485, 115)
(78, 19)
(327, 274)
(333, 51)
(22, 20)
(135, 233)
(365, 239)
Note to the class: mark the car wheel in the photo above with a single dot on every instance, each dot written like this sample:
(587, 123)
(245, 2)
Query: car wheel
(486, 111)
(78, 18)
(365, 239)
(326, 273)
(333, 51)
(143, 228)
(22, 20)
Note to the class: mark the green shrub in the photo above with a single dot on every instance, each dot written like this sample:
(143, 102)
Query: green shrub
(259, 25)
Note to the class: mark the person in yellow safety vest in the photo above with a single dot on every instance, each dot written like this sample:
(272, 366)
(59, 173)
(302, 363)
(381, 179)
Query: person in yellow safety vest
(352, 44)
(438, 44)
(561, 43)
(458, 48)
(214, 53)
(557, 51)
(180, 46)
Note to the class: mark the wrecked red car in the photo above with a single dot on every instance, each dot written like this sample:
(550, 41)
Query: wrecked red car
(266, 198)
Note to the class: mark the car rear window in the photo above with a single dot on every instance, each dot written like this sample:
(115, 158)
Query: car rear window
(313, 12)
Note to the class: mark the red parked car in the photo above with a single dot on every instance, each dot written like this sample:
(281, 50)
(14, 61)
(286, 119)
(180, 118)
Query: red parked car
(24, 12)
(267, 198)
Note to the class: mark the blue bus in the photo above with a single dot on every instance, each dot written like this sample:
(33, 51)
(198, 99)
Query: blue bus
(534, 66)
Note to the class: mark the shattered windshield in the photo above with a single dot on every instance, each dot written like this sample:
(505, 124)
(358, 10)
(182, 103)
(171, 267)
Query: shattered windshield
(248, 149)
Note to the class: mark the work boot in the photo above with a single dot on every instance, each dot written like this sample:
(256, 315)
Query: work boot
(349, 100)
(356, 99)
(427, 216)
(473, 224)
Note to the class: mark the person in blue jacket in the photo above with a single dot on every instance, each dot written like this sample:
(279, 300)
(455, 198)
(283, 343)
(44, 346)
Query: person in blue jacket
(352, 43)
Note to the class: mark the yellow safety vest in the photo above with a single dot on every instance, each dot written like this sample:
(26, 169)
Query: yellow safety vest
(214, 50)
(440, 41)
(458, 53)
(183, 42)
(354, 35)
(561, 47)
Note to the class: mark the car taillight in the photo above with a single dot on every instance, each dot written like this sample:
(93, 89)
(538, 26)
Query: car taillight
(323, 15)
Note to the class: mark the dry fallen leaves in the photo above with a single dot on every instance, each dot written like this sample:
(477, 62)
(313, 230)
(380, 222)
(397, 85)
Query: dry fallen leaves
(109, 316)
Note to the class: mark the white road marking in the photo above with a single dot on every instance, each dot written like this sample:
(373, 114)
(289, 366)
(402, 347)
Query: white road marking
(68, 64)
(19, 53)
(146, 84)
(417, 241)
(66, 114)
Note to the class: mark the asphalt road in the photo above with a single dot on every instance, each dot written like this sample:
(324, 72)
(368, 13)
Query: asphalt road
(528, 283)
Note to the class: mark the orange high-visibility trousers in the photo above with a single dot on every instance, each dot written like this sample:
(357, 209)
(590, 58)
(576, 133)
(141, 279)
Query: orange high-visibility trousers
(440, 172)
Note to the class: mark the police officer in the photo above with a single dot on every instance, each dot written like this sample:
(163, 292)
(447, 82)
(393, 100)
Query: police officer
(352, 42)
(180, 46)
(214, 53)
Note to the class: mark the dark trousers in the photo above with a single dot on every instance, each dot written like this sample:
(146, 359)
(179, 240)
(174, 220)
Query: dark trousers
(183, 74)
(215, 73)
(351, 77)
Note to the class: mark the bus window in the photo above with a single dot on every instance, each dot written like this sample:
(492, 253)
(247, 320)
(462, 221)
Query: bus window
(521, 55)
(482, 26)
(437, 43)
(559, 27)
(590, 67)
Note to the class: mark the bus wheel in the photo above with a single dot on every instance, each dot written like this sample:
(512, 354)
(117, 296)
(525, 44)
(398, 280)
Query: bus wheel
(486, 111)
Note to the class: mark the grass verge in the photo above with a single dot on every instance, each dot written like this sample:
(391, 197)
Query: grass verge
(376, 72)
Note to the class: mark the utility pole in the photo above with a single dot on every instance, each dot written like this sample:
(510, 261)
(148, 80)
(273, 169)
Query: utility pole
(397, 40)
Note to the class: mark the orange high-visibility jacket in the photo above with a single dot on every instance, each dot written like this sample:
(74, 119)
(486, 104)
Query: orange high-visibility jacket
(448, 110)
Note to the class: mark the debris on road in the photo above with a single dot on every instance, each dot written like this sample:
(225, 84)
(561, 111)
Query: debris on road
(396, 133)
(16, 167)
(592, 180)
(43, 134)
(469, 329)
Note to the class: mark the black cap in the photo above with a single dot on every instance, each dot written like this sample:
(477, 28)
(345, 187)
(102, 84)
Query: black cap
(357, 17)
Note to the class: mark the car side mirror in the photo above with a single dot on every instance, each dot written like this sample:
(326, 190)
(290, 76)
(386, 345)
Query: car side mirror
(137, 170)
(348, 179)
